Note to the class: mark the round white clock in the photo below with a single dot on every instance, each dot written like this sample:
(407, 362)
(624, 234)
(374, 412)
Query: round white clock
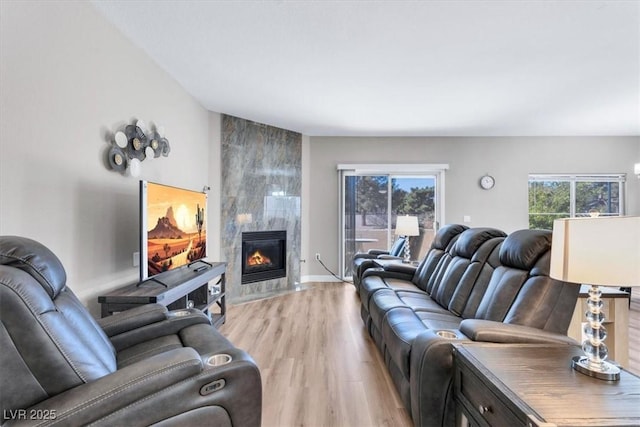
(487, 182)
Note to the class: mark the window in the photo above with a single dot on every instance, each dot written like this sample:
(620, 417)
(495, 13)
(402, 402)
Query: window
(564, 196)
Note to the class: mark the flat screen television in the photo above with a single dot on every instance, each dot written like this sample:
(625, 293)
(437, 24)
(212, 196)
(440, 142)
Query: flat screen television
(173, 231)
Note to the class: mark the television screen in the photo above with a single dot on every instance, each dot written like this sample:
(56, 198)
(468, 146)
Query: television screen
(172, 228)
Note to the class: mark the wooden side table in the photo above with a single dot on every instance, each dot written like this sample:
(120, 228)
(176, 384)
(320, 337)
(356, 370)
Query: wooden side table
(616, 312)
(534, 385)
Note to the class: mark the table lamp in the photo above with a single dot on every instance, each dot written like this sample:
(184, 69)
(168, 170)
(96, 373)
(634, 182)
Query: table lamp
(596, 251)
(407, 226)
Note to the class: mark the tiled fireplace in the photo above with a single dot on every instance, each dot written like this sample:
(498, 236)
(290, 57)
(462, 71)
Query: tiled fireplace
(261, 186)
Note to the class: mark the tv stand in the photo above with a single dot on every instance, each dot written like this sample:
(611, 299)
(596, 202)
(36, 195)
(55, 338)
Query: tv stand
(181, 288)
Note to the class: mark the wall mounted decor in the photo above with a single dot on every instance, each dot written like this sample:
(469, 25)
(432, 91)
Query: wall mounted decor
(133, 145)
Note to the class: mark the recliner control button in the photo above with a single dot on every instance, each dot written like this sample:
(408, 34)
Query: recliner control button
(212, 386)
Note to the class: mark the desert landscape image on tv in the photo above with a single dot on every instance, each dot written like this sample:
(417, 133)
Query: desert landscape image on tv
(176, 232)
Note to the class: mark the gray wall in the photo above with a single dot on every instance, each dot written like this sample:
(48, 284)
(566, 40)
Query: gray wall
(509, 160)
(68, 78)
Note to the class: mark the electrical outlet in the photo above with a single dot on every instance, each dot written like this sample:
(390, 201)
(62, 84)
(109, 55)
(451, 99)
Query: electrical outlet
(318, 256)
(136, 259)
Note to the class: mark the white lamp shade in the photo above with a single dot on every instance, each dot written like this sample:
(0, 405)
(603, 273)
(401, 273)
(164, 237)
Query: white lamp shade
(636, 168)
(596, 251)
(407, 226)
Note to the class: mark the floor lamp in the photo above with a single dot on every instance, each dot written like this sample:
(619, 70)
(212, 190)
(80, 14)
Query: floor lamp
(596, 251)
(407, 226)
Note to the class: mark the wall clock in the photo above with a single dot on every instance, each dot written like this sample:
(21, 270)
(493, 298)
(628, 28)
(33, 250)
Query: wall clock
(487, 182)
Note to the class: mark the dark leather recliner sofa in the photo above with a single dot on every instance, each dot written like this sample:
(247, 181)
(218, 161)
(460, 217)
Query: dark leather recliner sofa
(476, 284)
(144, 366)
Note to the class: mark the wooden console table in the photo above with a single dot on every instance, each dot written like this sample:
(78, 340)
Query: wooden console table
(616, 312)
(185, 287)
(534, 385)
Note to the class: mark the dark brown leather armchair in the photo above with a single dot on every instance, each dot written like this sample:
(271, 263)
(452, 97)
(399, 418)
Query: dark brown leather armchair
(139, 367)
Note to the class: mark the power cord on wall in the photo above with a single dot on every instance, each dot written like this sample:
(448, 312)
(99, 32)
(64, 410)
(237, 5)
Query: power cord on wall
(331, 272)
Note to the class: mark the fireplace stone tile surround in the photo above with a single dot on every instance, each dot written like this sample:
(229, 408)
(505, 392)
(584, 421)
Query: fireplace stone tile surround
(261, 170)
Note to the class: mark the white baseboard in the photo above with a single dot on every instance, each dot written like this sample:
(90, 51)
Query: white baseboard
(327, 278)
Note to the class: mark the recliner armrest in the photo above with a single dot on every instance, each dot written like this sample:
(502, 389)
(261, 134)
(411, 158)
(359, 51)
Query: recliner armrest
(393, 270)
(364, 255)
(498, 332)
(173, 323)
(377, 252)
(400, 267)
(392, 257)
(132, 319)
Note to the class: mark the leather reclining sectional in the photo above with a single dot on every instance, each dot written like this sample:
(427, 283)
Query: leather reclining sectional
(144, 366)
(474, 284)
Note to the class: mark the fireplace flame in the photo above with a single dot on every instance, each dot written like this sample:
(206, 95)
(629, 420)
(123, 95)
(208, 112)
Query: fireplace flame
(257, 259)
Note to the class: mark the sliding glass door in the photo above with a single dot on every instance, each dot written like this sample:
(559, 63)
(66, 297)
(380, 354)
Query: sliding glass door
(371, 202)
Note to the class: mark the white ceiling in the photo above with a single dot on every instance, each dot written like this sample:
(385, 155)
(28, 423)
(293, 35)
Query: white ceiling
(401, 68)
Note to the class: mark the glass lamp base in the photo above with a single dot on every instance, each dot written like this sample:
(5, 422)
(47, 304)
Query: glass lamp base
(407, 251)
(606, 371)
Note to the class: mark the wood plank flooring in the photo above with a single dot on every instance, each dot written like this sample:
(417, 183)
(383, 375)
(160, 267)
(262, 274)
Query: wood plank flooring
(319, 366)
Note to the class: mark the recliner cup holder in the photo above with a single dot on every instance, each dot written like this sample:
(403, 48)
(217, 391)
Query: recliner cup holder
(447, 334)
(219, 359)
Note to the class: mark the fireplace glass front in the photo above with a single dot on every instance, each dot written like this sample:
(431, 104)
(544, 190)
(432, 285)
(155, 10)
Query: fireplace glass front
(264, 255)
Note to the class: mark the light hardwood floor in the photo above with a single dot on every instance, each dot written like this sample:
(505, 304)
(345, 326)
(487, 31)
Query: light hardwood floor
(319, 366)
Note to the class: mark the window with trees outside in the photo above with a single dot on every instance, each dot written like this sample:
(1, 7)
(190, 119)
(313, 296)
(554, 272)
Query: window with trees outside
(565, 196)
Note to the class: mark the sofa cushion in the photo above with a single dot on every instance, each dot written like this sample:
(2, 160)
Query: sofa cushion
(372, 284)
(402, 325)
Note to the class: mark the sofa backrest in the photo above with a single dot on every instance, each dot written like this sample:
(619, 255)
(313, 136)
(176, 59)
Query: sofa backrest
(398, 247)
(50, 342)
(443, 241)
(521, 291)
(463, 266)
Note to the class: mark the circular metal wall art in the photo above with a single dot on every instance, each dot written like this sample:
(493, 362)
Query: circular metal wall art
(134, 144)
(117, 159)
(166, 148)
(156, 144)
(137, 142)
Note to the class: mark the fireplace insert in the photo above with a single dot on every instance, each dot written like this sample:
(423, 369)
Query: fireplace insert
(264, 255)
